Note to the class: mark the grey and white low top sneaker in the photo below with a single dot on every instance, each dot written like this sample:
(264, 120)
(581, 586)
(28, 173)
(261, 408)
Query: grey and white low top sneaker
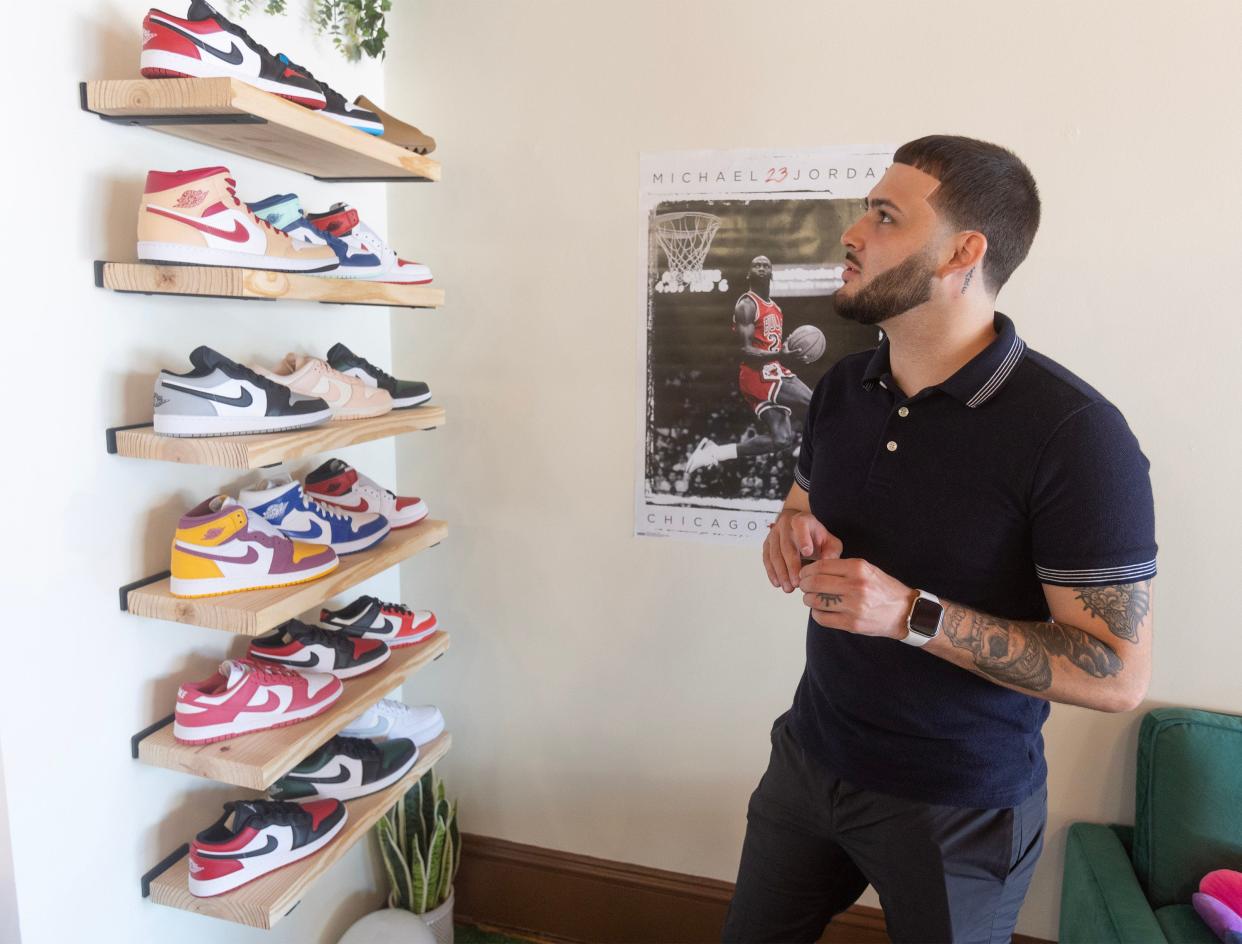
(221, 397)
(394, 719)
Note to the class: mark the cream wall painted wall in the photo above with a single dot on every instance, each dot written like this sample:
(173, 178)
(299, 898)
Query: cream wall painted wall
(79, 676)
(612, 695)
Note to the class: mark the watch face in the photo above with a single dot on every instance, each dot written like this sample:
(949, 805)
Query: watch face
(925, 617)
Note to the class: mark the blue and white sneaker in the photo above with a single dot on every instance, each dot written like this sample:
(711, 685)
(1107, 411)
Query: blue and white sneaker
(282, 504)
(284, 211)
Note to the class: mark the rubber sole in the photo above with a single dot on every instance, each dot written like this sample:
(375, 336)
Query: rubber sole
(186, 254)
(162, 64)
(256, 868)
(263, 586)
(199, 427)
(214, 739)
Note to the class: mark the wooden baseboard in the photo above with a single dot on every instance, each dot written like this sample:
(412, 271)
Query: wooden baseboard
(561, 897)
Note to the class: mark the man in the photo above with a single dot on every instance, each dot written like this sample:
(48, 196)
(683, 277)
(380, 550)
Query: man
(770, 388)
(971, 527)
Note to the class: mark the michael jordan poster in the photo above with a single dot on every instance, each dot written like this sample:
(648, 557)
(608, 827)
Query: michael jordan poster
(741, 256)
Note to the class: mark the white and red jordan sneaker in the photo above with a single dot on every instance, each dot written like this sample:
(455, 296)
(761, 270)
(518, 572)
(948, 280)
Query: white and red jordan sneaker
(338, 483)
(244, 696)
(203, 44)
(196, 217)
(372, 618)
(342, 222)
(263, 836)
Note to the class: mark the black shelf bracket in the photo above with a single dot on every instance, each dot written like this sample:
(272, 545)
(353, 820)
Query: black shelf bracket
(124, 591)
(147, 732)
(163, 866)
(111, 431)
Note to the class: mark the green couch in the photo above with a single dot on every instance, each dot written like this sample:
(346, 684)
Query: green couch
(1132, 884)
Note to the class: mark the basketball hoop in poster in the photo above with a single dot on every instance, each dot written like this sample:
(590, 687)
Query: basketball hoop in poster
(685, 238)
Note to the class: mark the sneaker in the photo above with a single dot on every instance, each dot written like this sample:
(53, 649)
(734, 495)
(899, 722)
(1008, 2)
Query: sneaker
(342, 222)
(393, 719)
(220, 397)
(337, 108)
(283, 505)
(702, 456)
(397, 131)
(348, 397)
(339, 484)
(196, 217)
(204, 44)
(404, 393)
(372, 618)
(297, 645)
(284, 211)
(242, 696)
(219, 547)
(263, 836)
(347, 768)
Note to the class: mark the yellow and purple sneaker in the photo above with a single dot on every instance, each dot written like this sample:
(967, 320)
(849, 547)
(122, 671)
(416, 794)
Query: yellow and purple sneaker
(219, 547)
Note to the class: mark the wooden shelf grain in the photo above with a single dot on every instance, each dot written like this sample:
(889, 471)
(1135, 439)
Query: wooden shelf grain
(227, 113)
(254, 451)
(257, 760)
(266, 900)
(260, 284)
(254, 612)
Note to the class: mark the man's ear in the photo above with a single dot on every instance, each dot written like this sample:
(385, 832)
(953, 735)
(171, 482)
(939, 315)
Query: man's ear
(969, 248)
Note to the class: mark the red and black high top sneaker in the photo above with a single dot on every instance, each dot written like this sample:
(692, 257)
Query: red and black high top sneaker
(264, 835)
(203, 44)
(372, 618)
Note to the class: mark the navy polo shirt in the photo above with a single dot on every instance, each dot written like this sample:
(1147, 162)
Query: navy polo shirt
(1010, 474)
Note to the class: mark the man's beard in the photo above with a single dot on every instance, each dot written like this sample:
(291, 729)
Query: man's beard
(906, 285)
(761, 287)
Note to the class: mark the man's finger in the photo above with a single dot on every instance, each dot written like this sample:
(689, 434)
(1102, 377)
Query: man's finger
(772, 557)
(803, 535)
(792, 559)
(767, 563)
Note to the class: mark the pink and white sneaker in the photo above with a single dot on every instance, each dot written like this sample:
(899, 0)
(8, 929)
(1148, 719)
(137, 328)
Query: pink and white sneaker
(338, 483)
(244, 696)
(372, 618)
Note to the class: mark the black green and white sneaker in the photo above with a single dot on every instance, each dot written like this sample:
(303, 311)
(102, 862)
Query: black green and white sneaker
(404, 393)
(347, 768)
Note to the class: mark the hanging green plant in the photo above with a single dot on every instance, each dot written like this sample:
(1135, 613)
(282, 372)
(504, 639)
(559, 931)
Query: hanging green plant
(357, 27)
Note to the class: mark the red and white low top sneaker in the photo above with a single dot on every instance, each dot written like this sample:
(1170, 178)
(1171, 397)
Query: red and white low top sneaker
(245, 696)
(338, 483)
(263, 836)
(372, 618)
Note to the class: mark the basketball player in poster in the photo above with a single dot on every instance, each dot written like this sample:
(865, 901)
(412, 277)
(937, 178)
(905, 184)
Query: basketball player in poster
(769, 388)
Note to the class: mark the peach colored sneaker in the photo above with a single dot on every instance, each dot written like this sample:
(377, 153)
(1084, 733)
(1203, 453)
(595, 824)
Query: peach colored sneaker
(195, 216)
(348, 397)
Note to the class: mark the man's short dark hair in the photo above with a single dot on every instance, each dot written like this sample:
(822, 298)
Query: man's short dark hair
(983, 187)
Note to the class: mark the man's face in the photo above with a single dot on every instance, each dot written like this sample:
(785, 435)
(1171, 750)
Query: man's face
(760, 269)
(889, 250)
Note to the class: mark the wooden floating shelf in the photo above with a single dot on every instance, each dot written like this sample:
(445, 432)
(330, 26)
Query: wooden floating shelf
(257, 760)
(228, 114)
(260, 284)
(254, 451)
(254, 612)
(266, 900)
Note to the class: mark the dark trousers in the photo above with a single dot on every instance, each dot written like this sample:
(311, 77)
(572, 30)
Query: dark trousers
(814, 843)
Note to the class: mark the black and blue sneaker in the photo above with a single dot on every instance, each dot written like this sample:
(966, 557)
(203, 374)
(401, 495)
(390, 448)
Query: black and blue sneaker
(337, 107)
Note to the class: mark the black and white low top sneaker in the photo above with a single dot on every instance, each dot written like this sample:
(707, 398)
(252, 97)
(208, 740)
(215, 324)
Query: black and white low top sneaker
(304, 648)
(353, 115)
(405, 393)
(220, 397)
(347, 768)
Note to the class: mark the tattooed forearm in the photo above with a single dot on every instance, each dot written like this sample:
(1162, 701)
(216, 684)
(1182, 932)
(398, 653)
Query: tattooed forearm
(1122, 606)
(828, 600)
(1020, 653)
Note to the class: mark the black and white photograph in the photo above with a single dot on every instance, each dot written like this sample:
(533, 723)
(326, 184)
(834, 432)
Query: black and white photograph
(733, 281)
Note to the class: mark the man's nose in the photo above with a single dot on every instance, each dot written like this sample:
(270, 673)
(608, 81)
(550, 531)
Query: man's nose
(851, 239)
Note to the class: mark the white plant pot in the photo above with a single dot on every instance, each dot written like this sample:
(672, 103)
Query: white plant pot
(440, 920)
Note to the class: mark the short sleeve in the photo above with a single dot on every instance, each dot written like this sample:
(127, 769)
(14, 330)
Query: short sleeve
(1093, 519)
(806, 453)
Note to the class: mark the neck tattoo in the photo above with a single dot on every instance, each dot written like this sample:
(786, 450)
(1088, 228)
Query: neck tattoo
(966, 281)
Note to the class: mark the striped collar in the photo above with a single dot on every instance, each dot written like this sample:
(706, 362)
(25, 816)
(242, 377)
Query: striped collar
(979, 379)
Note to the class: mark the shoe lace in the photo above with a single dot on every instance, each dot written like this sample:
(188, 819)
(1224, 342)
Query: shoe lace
(357, 748)
(276, 811)
(377, 371)
(231, 186)
(322, 508)
(396, 608)
(272, 671)
(325, 637)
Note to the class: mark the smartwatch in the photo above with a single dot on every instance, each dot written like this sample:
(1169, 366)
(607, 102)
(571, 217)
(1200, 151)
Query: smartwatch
(924, 620)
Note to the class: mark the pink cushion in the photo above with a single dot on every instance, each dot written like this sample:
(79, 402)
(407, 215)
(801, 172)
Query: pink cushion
(1225, 885)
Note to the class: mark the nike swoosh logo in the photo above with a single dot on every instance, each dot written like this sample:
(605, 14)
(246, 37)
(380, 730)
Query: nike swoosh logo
(249, 557)
(239, 233)
(233, 57)
(269, 846)
(308, 534)
(341, 776)
(361, 506)
(245, 399)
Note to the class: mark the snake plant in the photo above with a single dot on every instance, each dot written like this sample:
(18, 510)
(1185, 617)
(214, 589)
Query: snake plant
(421, 846)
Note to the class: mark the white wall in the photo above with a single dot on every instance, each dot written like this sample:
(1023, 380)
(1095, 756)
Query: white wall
(611, 695)
(9, 932)
(80, 677)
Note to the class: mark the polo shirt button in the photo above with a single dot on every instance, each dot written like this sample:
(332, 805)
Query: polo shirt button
(903, 412)
(892, 446)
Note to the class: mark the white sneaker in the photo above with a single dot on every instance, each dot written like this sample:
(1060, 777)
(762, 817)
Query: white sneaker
(703, 456)
(393, 719)
(342, 222)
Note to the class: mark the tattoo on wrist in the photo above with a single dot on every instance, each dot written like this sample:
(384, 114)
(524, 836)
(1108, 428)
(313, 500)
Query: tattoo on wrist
(828, 600)
(1020, 653)
(1122, 606)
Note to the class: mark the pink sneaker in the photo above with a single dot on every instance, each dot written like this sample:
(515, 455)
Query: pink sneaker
(348, 397)
(243, 696)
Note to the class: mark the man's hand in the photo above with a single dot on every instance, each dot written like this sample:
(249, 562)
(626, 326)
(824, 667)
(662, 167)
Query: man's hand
(796, 536)
(856, 597)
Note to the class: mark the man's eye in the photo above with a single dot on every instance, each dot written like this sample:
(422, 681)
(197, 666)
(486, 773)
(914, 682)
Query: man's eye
(884, 217)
